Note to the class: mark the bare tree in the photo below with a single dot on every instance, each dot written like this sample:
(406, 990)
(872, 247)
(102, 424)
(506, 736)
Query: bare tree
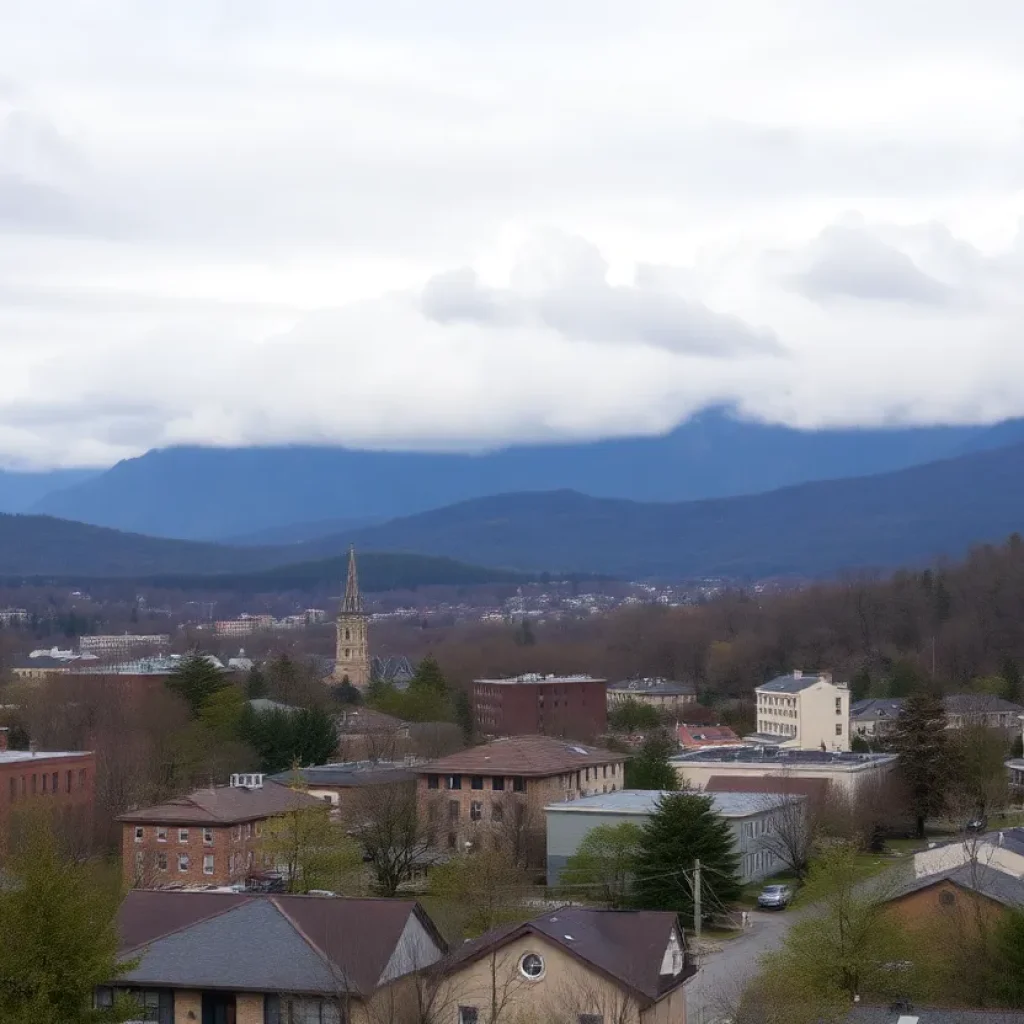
(789, 830)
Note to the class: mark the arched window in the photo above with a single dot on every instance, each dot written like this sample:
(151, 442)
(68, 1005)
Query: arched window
(348, 635)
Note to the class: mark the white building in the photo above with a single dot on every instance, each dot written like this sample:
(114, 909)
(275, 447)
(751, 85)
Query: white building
(803, 711)
(121, 643)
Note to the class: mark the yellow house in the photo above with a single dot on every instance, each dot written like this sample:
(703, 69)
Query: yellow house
(574, 965)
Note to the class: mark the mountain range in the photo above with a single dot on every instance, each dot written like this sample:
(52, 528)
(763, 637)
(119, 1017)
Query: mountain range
(294, 494)
(909, 516)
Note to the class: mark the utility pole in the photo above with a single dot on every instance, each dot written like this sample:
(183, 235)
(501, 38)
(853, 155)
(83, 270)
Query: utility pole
(696, 905)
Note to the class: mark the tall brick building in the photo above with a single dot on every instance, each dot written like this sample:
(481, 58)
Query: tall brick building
(569, 707)
(210, 837)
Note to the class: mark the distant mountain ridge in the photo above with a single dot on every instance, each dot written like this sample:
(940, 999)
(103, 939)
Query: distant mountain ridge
(284, 493)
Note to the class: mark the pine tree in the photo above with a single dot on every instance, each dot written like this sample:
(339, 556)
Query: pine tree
(651, 768)
(255, 684)
(429, 677)
(195, 679)
(925, 756)
(683, 830)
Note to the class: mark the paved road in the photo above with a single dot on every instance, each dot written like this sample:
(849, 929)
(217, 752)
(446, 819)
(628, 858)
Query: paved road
(723, 975)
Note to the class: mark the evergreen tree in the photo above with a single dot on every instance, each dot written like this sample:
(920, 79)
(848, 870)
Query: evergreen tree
(345, 693)
(464, 714)
(314, 736)
(925, 757)
(633, 716)
(282, 738)
(196, 680)
(1012, 677)
(683, 830)
(651, 768)
(255, 684)
(429, 677)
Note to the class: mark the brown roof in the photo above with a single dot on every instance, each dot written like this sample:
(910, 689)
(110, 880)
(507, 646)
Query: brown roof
(522, 755)
(627, 946)
(813, 789)
(262, 942)
(224, 805)
(706, 735)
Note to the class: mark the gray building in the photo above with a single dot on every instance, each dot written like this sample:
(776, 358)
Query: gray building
(751, 817)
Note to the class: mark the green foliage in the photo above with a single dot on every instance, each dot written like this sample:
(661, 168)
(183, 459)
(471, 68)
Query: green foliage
(345, 693)
(426, 700)
(475, 892)
(995, 685)
(633, 716)
(651, 768)
(603, 866)
(1011, 674)
(859, 745)
(429, 677)
(283, 738)
(59, 918)
(978, 756)
(221, 712)
(925, 758)
(1008, 959)
(682, 830)
(860, 685)
(905, 678)
(313, 852)
(464, 714)
(196, 680)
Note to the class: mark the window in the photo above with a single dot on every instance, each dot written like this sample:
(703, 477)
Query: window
(248, 830)
(839, 705)
(33, 784)
(14, 788)
(140, 833)
(453, 810)
(947, 898)
(518, 784)
(451, 840)
(183, 862)
(433, 812)
(590, 1018)
(182, 835)
(455, 782)
(498, 783)
(208, 864)
(476, 810)
(586, 777)
(476, 782)
(67, 782)
(161, 834)
(532, 966)
(45, 780)
(154, 1004)
(497, 813)
(207, 837)
(259, 828)
(605, 770)
(161, 860)
(305, 1010)
(55, 785)
(839, 728)
(432, 782)
(468, 1015)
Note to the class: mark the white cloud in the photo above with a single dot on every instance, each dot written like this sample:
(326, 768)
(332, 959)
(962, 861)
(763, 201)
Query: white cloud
(460, 225)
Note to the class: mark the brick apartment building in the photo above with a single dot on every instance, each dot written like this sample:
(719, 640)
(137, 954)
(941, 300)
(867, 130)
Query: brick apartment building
(210, 837)
(61, 780)
(496, 793)
(569, 707)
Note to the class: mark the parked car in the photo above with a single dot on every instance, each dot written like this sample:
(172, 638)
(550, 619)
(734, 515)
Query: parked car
(775, 897)
(978, 824)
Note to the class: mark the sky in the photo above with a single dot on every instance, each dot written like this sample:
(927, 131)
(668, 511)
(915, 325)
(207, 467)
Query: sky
(460, 225)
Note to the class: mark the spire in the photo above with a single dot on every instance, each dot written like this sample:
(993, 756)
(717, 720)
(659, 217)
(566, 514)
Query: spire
(353, 603)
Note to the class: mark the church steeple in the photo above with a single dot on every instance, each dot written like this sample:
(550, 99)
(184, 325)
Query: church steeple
(353, 601)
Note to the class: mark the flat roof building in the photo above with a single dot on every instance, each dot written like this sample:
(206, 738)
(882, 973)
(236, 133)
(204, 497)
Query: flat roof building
(665, 694)
(568, 707)
(803, 711)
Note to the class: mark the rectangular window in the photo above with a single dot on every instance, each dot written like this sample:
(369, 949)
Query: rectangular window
(605, 775)
(476, 810)
(469, 1015)
(590, 1018)
(248, 830)
(207, 837)
(432, 782)
(33, 784)
(45, 780)
(308, 1010)
(183, 862)
(161, 834)
(498, 783)
(55, 785)
(67, 782)
(518, 784)
(497, 813)
(455, 782)
(140, 833)
(451, 840)
(259, 828)
(839, 728)
(476, 782)
(182, 835)
(453, 810)
(586, 777)
(208, 864)
(23, 785)
(161, 860)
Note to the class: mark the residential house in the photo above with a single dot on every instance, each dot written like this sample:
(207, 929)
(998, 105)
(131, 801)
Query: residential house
(210, 837)
(573, 707)
(576, 965)
(1001, 851)
(803, 711)
(219, 958)
(663, 694)
(499, 790)
(877, 717)
(751, 817)
(874, 717)
(365, 734)
(698, 737)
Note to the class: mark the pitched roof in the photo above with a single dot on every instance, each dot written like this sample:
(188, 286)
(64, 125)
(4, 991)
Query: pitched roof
(264, 943)
(522, 755)
(224, 805)
(987, 881)
(979, 704)
(877, 707)
(695, 735)
(627, 946)
(792, 683)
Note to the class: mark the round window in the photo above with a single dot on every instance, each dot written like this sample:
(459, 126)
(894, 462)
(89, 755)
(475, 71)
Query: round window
(532, 966)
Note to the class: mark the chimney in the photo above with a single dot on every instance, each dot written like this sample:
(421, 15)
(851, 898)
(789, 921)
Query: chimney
(798, 673)
(3, 738)
(32, 748)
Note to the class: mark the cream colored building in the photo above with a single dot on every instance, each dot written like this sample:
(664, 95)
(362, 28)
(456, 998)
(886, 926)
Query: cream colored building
(803, 711)
(352, 649)
(663, 694)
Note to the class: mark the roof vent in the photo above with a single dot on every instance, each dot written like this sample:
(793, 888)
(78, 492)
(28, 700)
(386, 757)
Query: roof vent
(569, 938)
(253, 780)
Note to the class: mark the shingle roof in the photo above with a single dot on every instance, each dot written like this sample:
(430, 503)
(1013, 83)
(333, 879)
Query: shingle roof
(877, 707)
(696, 734)
(988, 881)
(224, 805)
(979, 704)
(791, 683)
(263, 943)
(522, 755)
(625, 945)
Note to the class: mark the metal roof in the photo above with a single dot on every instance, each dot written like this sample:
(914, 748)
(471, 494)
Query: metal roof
(645, 801)
(791, 683)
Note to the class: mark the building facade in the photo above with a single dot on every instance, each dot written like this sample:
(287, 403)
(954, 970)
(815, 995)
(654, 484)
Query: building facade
(803, 711)
(751, 818)
(120, 644)
(574, 707)
(877, 717)
(352, 649)
(210, 837)
(664, 694)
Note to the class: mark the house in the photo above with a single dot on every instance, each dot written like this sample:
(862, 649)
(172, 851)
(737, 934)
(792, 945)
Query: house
(219, 957)
(697, 737)
(874, 717)
(210, 837)
(365, 734)
(499, 790)
(1001, 851)
(922, 900)
(750, 816)
(573, 707)
(848, 771)
(574, 964)
(664, 694)
(803, 711)
(870, 718)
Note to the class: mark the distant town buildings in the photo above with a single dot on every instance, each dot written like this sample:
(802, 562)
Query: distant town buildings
(564, 706)
(803, 711)
(664, 694)
(120, 644)
(246, 625)
(352, 649)
(10, 616)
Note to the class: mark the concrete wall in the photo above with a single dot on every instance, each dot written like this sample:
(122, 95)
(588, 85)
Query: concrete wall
(822, 709)
(952, 855)
(697, 773)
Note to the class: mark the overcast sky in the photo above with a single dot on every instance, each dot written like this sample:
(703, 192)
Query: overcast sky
(463, 224)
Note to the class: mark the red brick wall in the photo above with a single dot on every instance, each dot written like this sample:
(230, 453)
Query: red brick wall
(231, 847)
(574, 710)
(22, 785)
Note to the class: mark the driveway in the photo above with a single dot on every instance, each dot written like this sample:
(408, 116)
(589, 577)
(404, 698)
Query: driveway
(723, 975)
